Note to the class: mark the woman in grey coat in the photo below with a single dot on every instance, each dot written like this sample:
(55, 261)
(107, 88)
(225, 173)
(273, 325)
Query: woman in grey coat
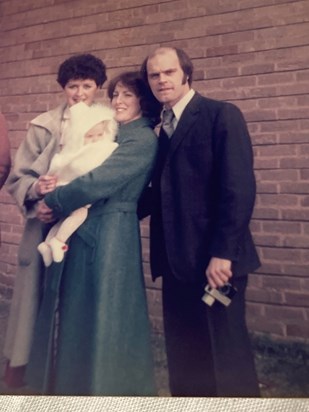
(80, 77)
(92, 336)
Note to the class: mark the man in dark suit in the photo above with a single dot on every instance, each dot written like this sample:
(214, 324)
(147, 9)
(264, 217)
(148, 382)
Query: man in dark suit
(203, 193)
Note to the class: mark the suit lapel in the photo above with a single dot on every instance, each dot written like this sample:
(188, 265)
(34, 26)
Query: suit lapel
(185, 123)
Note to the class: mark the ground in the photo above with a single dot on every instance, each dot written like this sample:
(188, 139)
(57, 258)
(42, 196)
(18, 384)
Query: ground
(283, 370)
(281, 375)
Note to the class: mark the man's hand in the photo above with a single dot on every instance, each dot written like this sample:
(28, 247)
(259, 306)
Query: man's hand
(45, 184)
(44, 213)
(218, 272)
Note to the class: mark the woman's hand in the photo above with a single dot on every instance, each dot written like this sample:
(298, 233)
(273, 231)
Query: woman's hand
(44, 213)
(218, 272)
(45, 184)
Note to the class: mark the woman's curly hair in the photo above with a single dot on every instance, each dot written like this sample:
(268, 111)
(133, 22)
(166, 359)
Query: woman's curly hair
(82, 66)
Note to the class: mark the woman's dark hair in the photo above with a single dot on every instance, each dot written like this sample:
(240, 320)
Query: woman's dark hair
(184, 61)
(150, 106)
(82, 66)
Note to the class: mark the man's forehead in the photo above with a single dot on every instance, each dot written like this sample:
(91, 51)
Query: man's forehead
(163, 60)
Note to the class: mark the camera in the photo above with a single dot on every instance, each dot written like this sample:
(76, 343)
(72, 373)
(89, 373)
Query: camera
(223, 295)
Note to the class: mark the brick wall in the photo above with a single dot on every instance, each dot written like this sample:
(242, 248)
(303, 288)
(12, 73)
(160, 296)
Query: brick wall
(252, 52)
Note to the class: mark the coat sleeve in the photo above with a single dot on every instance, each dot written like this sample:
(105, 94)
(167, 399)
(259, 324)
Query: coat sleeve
(31, 160)
(129, 160)
(5, 159)
(235, 182)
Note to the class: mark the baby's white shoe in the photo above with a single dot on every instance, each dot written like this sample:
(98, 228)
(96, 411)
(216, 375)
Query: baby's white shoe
(46, 253)
(58, 249)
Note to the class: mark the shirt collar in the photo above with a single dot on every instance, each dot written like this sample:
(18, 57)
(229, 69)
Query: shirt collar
(180, 106)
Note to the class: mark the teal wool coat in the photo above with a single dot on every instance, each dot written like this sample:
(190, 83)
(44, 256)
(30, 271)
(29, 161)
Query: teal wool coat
(92, 336)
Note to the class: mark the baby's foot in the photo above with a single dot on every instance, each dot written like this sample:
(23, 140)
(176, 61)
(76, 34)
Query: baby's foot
(57, 248)
(46, 253)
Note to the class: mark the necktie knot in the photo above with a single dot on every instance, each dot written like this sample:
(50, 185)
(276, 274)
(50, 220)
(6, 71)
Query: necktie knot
(167, 121)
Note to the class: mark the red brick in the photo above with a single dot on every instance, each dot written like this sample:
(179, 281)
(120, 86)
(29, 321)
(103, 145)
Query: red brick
(272, 163)
(275, 78)
(258, 138)
(298, 162)
(297, 269)
(297, 299)
(281, 283)
(293, 137)
(266, 213)
(295, 214)
(278, 126)
(264, 296)
(293, 113)
(254, 310)
(305, 201)
(296, 187)
(282, 227)
(297, 330)
(265, 187)
(278, 200)
(267, 240)
(286, 313)
(282, 254)
(221, 73)
(266, 325)
(276, 150)
(277, 175)
(257, 68)
(296, 242)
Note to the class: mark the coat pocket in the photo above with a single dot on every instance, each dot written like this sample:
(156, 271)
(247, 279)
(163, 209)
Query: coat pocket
(32, 236)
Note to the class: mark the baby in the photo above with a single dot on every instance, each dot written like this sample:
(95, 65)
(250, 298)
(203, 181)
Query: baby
(92, 134)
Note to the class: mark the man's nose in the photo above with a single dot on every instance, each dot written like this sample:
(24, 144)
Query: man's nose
(79, 91)
(162, 77)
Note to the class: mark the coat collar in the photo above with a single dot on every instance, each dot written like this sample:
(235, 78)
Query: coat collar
(124, 130)
(51, 120)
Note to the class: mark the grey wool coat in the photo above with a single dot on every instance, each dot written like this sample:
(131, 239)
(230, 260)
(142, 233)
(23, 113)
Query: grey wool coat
(92, 336)
(32, 160)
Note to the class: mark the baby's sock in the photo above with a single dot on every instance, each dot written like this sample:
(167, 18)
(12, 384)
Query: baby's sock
(46, 253)
(57, 248)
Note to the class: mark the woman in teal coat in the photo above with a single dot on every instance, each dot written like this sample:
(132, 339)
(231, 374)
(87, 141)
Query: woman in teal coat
(92, 335)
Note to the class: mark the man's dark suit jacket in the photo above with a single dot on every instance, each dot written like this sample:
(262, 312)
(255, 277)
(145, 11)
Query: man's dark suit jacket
(208, 192)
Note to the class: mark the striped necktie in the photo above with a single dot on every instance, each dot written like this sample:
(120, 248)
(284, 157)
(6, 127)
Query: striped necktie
(167, 121)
